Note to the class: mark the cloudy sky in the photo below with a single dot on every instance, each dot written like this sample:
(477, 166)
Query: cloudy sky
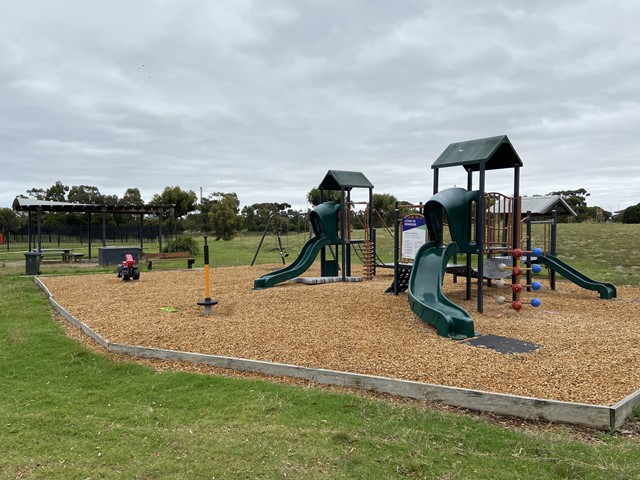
(263, 97)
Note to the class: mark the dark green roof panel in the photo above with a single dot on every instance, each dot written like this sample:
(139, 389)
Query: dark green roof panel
(494, 152)
(21, 204)
(339, 179)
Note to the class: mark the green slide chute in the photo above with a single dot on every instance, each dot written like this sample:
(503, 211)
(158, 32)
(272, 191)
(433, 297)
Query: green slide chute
(456, 205)
(425, 293)
(606, 290)
(301, 264)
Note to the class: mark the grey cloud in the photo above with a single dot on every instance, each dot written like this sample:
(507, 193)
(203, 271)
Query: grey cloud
(263, 98)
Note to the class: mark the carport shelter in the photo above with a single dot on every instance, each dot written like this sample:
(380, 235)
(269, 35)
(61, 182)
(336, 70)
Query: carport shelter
(21, 204)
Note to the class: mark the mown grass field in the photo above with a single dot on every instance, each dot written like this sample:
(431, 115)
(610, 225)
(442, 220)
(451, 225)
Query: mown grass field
(604, 251)
(67, 412)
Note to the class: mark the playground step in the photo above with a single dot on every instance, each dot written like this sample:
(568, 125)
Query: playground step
(403, 280)
(320, 280)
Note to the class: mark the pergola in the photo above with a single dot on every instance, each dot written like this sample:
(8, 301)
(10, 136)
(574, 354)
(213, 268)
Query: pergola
(30, 206)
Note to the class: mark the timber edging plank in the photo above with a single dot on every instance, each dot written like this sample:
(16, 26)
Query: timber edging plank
(594, 416)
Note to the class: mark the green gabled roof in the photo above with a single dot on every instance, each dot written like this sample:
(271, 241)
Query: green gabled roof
(340, 179)
(493, 152)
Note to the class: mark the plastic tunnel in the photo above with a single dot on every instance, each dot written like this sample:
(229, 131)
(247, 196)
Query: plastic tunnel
(457, 204)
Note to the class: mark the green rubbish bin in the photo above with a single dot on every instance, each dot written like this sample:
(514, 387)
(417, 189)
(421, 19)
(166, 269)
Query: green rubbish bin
(32, 261)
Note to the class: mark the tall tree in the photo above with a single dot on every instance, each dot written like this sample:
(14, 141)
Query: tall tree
(313, 196)
(8, 220)
(184, 201)
(577, 200)
(57, 192)
(37, 194)
(630, 214)
(131, 197)
(225, 221)
(384, 205)
(85, 194)
(256, 216)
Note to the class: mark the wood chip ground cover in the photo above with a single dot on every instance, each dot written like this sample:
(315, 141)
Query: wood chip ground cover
(589, 348)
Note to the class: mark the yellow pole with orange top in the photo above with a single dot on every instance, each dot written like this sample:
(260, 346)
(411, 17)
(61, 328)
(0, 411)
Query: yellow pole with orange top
(208, 302)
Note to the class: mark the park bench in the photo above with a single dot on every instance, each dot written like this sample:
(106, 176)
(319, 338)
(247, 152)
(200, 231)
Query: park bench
(150, 258)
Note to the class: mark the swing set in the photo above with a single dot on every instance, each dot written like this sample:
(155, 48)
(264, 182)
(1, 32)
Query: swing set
(278, 224)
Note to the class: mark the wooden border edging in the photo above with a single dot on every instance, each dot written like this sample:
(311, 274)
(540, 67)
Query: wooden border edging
(594, 416)
(620, 411)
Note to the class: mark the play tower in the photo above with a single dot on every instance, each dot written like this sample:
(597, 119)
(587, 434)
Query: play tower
(475, 156)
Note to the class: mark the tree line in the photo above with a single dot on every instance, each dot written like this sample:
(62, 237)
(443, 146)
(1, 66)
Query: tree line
(220, 214)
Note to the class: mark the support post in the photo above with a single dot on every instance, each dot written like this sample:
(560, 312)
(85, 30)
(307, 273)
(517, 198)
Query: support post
(372, 230)
(480, 237)
(528, 248)
(104, 226)
(89, 233)
(396, 245)
(160, 213)
(266, 229)
(29, 232)
(343, 212)
(554, 237)
(282, 255)
(468, 262)
(515, 235)
(39, 219)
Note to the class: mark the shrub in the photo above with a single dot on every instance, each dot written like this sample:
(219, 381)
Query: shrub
(630, 214)
(183, 244)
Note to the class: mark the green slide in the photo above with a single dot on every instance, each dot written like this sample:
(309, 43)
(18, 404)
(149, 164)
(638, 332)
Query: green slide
(606, 290)
(425, 293)
(301, 264)
(455, 204)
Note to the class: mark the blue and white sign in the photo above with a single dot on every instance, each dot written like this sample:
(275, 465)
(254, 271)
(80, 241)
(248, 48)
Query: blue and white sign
(414, 234)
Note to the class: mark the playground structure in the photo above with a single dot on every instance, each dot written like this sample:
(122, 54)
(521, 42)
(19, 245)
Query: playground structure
(454, 211)
(331, 226)
(481, 224)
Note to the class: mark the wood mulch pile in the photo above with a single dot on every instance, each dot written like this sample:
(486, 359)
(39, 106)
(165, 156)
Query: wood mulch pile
(589, 347)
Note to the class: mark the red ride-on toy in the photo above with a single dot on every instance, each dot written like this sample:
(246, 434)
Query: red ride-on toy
(129, 268)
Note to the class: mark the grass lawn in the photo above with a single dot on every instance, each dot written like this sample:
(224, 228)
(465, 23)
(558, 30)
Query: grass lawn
(67, 412)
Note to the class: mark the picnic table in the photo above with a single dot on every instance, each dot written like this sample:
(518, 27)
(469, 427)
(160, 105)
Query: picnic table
(65, 253)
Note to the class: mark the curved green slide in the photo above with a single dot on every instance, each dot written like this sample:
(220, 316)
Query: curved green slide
(606, 290)
(456, 204)
(300, 265)
(425, 293)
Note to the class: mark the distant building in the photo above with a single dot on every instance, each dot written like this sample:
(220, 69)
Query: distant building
(541, 206)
